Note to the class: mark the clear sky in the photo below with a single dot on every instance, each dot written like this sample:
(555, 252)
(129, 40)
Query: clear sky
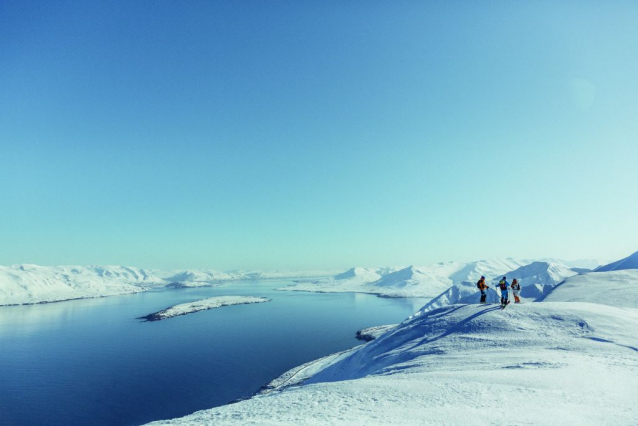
(316, 134)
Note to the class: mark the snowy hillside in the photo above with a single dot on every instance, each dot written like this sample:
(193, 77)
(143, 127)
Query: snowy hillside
(615, 288)
(20, 284)
(537, 363)
(630, 262)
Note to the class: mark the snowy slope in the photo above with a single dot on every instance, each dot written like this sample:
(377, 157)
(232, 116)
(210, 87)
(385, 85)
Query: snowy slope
(21, 284)
(615, 288)
(630, 262)
(538, 363)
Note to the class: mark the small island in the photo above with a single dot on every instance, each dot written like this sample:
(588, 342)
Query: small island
(202, 305)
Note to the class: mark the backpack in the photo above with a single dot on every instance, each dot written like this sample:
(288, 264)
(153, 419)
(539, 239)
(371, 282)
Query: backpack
(502, 285)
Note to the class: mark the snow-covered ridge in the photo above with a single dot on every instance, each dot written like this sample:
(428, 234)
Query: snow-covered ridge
(21, 284)
(614, 288)
(202, 305)
(461, 364)
(629, 262)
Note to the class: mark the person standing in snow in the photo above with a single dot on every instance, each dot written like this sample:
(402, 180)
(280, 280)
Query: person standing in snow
(503, 285)
(483, 287)
(516, 288)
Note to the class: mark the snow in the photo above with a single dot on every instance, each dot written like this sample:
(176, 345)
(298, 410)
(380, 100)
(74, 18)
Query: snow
(286, 275)
(200, 278)
(536, 280)
(414, 281)
(27, 284)
(630, 262)
(555, 363)
(203, 305)
(24, 284)
(562, 361)
(615, 288)
(372, 333)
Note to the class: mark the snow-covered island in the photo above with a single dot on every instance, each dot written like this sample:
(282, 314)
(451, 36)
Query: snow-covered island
(203, 305)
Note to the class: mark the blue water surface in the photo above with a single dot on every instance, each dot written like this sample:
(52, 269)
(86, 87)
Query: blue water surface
(91, 362)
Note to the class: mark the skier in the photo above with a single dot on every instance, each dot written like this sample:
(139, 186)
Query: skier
(483, 287)
(516, 288)
(503, 285)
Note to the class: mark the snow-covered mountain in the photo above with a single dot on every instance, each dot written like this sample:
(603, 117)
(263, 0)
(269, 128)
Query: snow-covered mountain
(285, 275)
(629, 262)
(536, 279)
(21, 284)
(25, 284)
(198, 278)
(414, 281)
(361, 274)
(410, 282)
(536, 363)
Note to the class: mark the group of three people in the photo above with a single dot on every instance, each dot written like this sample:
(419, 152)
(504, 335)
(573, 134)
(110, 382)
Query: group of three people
(504, 286)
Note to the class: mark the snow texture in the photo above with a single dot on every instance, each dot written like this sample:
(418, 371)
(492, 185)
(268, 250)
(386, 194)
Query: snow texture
(555, 362)
(203, 305)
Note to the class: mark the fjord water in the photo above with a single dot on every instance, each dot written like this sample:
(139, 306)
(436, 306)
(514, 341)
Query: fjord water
(91, 362)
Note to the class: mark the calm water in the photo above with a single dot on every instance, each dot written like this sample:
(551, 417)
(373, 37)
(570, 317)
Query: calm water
(90, 362)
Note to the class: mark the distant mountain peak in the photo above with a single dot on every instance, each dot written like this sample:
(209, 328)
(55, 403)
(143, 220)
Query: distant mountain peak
(629, 262)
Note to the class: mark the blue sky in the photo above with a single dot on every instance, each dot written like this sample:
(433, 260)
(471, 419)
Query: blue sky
(316, 134)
